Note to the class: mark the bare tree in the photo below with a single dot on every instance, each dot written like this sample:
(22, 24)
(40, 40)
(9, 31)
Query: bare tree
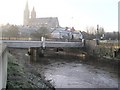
(41, 32)
(91, 30)
(11, 31)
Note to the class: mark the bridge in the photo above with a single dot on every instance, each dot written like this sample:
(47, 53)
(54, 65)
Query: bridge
(34, 45)
(92, 46)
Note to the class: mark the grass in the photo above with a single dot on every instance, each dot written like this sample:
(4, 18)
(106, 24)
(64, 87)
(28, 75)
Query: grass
(15, 73)
(19, 77)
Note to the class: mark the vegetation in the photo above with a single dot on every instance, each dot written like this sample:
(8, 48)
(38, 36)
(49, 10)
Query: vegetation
(99, 32)
(10, 31)
(15, 72)
(41, 32)
(21, 77)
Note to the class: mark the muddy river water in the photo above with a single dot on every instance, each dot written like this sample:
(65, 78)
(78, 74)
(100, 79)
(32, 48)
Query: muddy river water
(74, 72)
(80, 76)
(66, 73)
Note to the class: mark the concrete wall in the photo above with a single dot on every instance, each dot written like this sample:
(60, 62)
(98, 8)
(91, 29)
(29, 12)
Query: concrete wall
(3, 66)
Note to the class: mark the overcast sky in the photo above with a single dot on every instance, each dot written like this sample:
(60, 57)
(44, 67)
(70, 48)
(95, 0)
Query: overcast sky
(77, 13)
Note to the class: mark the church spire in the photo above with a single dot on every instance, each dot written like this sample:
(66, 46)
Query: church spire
(26, 7)
(33, 13)
(26, 14)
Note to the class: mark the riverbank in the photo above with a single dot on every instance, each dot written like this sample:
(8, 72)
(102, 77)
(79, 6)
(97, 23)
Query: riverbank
(81, 56)
(57, 64)
(22, 75)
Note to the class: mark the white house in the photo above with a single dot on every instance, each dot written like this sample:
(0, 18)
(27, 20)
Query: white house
(62, 33)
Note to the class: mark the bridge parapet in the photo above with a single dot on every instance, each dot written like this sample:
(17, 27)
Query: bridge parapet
(3, 66)
(28, 44)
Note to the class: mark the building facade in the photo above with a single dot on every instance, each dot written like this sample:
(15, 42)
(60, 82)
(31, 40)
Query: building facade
(31, 20)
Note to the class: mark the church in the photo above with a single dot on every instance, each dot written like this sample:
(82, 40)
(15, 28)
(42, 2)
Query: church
(31, 20)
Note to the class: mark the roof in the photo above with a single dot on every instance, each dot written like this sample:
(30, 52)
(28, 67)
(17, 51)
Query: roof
(62, 30)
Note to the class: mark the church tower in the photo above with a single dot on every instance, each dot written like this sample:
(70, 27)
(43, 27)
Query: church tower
(26, 15)
(33, 14)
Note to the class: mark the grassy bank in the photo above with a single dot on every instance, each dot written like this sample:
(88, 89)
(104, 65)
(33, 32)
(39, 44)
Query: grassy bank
(21, 76)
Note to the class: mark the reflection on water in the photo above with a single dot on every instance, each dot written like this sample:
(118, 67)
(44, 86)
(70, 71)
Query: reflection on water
(82, 56)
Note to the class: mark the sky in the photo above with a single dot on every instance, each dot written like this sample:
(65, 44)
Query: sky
(77, 13)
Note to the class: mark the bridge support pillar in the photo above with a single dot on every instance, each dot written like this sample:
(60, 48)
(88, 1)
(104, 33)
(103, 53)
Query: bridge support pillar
(36, 53)
(39, 53)
(33, 54)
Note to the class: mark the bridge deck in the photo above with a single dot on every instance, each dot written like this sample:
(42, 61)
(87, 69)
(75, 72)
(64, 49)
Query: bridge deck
(27, 44)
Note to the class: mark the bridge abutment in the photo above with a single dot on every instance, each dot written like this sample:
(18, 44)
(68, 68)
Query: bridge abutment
(3, 67)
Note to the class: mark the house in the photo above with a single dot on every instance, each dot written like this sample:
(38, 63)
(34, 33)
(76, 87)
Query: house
(62, 33)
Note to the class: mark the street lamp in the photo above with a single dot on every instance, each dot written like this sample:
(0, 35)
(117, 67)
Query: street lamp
(97, 38)
(97, 32)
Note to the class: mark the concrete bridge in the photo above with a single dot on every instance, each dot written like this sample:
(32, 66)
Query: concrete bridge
(36, 44)
(35, 48)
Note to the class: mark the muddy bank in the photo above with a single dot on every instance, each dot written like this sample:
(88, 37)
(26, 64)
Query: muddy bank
(21, 73)
(78, 56)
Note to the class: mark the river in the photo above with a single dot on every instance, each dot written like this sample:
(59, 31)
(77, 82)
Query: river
(65, 71)
(74, 72)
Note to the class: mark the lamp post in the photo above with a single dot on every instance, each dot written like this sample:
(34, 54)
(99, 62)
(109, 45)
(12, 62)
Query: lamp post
(97, 38)
(97, 32)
